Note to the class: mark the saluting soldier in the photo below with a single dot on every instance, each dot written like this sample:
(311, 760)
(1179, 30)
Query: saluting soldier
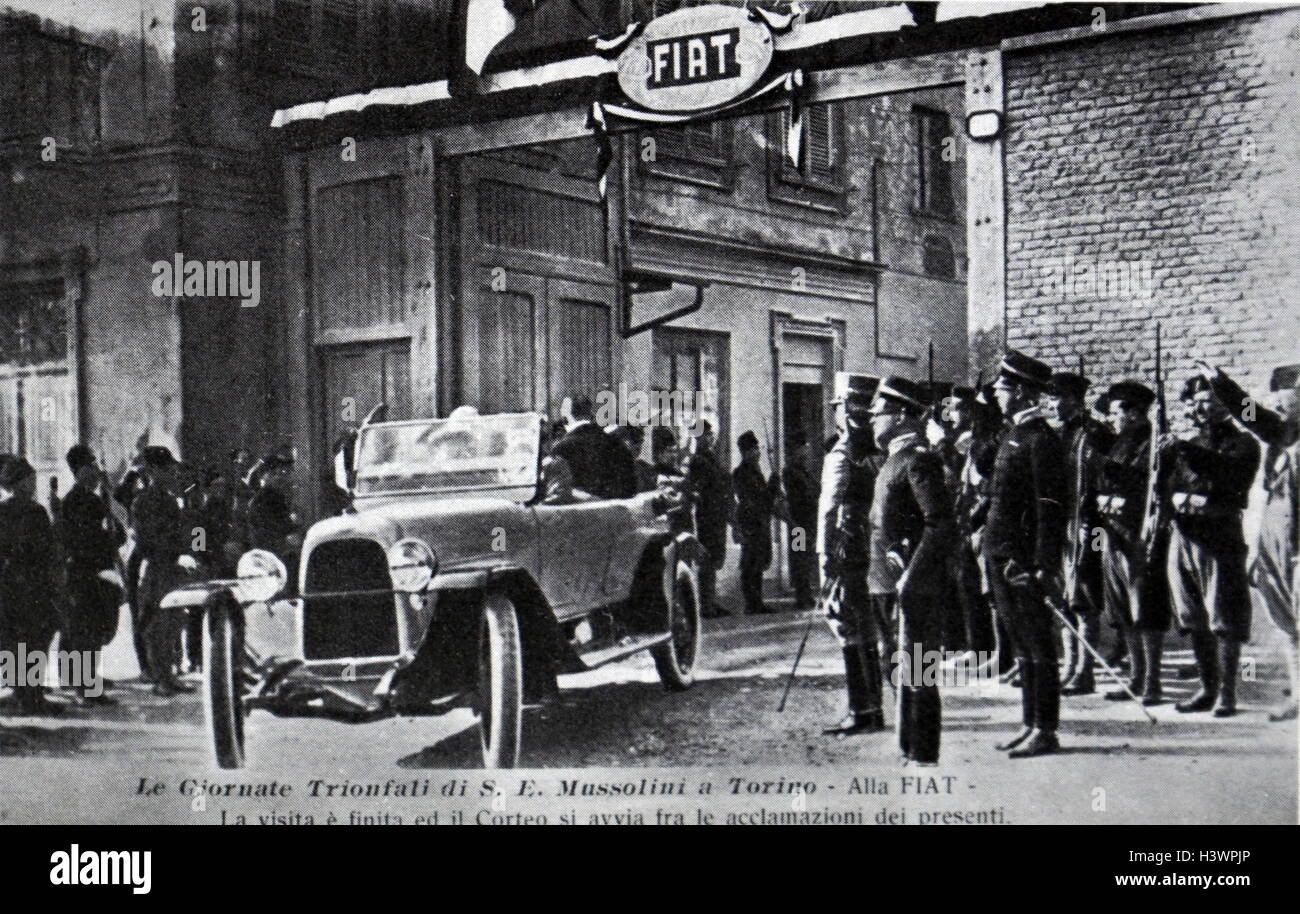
(1022, 543)
(1136, 600)
(91, 537)
(844, 551)
(912, 532)
(164, 542)
(1210, 479)
(28, 557)
(1277, 555)
(1085, 441)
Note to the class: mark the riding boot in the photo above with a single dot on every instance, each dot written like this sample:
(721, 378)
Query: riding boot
(1137, 666)
(922, 725)
(1069, 648)
(1229, 656)
(864, 712)
(1152, 648)
(1028, 692)
(1207, 666)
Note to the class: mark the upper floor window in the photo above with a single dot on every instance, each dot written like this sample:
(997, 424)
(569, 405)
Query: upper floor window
(936, 150)
(50, 84)
(818, 180)
(696, 152)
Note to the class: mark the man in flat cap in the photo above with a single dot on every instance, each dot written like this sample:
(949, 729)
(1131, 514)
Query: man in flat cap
(28, 566)
(91, 538)
(710, 489)
(1085, 441)
(1209, 481)
(164, 543)
(912, 533)
(756, 502)
(844, 552)
(1136, 598)
(1022, 543)
(1274, 571)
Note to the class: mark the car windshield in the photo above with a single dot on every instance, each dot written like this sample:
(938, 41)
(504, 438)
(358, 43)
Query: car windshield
(451, 455)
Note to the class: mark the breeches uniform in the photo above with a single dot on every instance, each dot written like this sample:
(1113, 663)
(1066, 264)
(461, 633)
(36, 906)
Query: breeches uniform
(1029, 625)
(858, 631)
(1152, 611)
(977, 619)
(1209, 586)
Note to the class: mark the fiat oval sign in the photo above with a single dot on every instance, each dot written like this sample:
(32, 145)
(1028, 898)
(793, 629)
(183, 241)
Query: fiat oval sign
(694, 59)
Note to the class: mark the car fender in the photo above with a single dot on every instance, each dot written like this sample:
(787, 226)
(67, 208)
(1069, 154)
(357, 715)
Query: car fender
(682, 547)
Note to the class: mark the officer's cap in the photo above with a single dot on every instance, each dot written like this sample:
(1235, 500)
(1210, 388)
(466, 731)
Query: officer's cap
(1018, 368)
(854, 389)
(896, 391)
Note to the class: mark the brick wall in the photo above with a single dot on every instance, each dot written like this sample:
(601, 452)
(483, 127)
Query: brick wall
(1163, 163)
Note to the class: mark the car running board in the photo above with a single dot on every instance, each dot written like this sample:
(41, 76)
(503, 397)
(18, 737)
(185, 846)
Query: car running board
(628, 645)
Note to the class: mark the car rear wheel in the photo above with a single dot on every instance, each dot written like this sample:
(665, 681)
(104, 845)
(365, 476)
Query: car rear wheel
(223, 651)
(499, 700)
(675, 658)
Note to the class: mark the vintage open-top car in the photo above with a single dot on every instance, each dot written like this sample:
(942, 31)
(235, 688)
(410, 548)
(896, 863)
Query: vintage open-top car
(457, 577)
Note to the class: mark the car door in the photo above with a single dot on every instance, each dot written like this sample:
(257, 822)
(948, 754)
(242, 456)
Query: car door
(574, 549)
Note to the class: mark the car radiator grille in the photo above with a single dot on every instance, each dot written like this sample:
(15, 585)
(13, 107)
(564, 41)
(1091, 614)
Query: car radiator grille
(348, 622)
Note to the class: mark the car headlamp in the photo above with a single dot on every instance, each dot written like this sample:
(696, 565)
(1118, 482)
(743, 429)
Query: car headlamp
(261, 576)
(412, 565)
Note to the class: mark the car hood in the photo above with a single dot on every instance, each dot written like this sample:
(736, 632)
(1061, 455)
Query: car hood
(462, 530)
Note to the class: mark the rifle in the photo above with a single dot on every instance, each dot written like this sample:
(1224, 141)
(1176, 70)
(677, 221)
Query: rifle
(1154, 521)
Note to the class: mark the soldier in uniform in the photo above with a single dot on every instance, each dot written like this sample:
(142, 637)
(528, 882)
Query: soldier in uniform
(91, 537)
(1022, 544)
(963, 566)
(28, 557)
(1210, 476)
(912, 533)
(756, 502)
(1085, 442)
(844, 551)
(1136, 599)
(1277, 552)
(164, 542)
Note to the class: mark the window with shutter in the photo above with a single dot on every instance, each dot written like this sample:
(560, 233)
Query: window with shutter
(819, 179)
(698, 152)
(934, 147)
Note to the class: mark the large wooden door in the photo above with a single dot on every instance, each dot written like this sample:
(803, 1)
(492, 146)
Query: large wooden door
(537, 288)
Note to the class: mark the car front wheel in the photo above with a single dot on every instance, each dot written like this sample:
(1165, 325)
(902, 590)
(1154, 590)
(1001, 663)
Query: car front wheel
(223, 650)
(499, 700)
(675, 658)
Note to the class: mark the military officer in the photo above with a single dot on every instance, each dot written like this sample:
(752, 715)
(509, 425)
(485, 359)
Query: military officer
(912, 532)
(844, 551)
(28, 557)
(1022, 543)
(1278, 549)
(1209, 481)
(164, 543)
(1085, 441)
(1137, 603)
